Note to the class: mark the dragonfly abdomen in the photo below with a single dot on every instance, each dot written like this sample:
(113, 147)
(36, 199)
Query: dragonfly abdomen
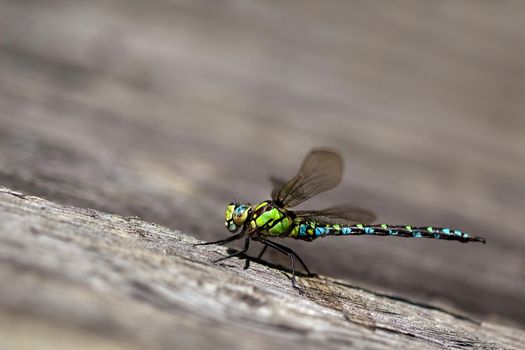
(309, 230)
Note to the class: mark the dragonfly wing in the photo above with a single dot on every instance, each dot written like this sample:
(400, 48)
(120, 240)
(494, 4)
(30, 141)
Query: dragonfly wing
(277, 184)
(342, 214)
(321, 170)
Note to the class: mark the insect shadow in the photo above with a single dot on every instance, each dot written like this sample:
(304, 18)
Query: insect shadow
(259, 260)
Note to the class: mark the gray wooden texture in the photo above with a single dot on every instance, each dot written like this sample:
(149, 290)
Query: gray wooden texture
(168, 110)
(76, 278)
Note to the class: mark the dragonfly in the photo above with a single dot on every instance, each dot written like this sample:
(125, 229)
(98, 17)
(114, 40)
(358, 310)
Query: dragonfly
(321, 170)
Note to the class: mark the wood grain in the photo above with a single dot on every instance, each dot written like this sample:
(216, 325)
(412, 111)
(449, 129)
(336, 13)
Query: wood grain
(73, 276)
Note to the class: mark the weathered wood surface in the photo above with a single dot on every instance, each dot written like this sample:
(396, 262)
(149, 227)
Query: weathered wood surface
(84, 279)
(170, 109)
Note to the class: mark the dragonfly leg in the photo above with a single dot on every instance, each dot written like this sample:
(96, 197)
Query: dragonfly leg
(240, 252)
(225, 240)
(262, 252)
(287, 251)
(247, 265)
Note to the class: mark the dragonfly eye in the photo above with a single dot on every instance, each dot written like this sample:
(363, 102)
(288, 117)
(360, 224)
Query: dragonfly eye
(241, 213)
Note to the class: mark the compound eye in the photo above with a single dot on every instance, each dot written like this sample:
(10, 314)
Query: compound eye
(241, 214)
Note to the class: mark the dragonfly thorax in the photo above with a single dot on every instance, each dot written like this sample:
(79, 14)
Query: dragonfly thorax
(236, 215)
(268, 219)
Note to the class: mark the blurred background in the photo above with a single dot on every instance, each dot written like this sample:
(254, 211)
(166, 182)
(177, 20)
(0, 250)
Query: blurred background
(170, 109)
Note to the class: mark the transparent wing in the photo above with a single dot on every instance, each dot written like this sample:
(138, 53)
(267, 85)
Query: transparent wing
(342, 214)
(321, 170)
(277, 185)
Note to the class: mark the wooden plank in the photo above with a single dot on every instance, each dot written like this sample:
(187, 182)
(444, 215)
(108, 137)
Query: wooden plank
(79, 276)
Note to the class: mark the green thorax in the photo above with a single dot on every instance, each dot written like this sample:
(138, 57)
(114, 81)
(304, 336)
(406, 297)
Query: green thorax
(270, 220)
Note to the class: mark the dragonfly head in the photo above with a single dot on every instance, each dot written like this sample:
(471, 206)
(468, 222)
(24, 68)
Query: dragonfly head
(236, 215)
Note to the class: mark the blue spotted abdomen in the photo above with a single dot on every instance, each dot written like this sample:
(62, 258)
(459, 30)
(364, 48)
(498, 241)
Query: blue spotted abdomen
(310, 230)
